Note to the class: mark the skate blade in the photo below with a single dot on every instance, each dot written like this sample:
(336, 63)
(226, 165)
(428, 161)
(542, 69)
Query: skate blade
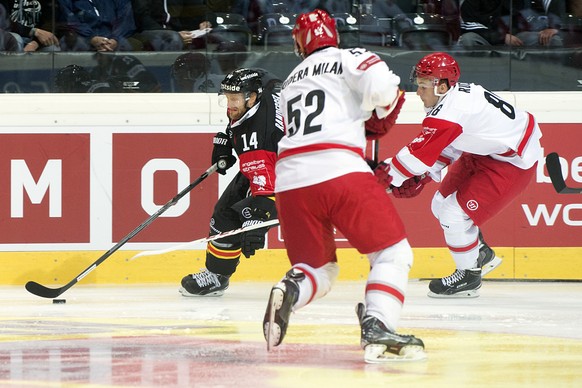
(458, 295)
(271, 329)
(183, 291)
(490, 266)
(376, 354)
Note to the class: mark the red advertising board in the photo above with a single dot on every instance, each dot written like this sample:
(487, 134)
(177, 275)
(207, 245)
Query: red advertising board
(539, 217)
(132, 154)
(44, 196)
(46, 192)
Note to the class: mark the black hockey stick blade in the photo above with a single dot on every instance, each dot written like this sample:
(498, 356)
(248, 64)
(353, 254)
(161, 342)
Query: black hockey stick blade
(46, 292)
(51, 293)
(555, 172)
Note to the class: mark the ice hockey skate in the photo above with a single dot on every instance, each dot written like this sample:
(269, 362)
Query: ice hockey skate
(283, 296)
(487, 260)
(463, 283)
(381, 345)
(204, 283)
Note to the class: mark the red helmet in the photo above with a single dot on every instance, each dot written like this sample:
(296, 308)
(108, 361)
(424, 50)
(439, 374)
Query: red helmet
(314, 30)
(439, 66)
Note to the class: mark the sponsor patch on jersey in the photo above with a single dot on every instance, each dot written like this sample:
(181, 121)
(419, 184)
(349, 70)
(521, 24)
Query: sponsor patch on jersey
(371, 61)
(247, 212)
(472, 205)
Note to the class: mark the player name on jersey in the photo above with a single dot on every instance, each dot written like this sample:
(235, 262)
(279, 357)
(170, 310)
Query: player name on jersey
(317, 69)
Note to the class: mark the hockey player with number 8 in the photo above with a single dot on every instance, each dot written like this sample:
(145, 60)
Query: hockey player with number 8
(491, 150)
(332, 102)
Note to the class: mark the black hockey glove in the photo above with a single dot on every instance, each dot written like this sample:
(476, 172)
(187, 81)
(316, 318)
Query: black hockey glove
(262, 209)
(372, 163)
(222, 151)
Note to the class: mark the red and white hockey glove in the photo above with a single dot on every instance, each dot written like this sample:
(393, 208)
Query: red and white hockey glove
(411, 187)
(376, 127)
(382, 173)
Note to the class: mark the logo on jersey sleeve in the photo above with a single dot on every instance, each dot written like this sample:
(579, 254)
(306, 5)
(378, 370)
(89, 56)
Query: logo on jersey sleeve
(422, 139)
(260, 181)
(369, 62)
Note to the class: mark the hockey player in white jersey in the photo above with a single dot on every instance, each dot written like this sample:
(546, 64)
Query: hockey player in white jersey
(491, 150)
(331, 102)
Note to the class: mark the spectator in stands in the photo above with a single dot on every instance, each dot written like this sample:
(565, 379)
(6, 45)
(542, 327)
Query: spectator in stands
(190, 15)
(31, 24)
(571, 30)
(252, 10)
(156, 27)
(487, 23)
(99, 25)
(7, 40)
(541, 21)
(449, 10)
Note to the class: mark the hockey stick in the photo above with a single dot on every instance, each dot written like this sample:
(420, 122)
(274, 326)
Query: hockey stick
(207, 239)
(555, 172)
(46, 292)
(376, 157)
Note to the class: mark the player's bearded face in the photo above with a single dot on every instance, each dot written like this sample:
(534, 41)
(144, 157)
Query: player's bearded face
(235, 105)
(425, 90)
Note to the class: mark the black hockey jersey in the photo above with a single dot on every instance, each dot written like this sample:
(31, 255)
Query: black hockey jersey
(254, 137)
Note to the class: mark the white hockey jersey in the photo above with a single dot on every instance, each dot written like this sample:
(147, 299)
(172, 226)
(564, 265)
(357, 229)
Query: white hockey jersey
(471, 119)
(325, 101)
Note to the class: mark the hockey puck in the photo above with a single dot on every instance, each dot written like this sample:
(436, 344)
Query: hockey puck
(59, 301)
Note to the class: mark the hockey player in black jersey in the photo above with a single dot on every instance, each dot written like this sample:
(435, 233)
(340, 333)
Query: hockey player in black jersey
(254, 130)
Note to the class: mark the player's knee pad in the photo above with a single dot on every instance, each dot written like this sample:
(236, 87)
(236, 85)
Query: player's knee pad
(452, 217)
(399, 254)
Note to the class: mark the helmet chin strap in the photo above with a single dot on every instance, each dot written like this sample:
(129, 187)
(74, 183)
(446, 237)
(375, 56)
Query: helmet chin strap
(437, 83)
(439, 95)
(436, 92)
